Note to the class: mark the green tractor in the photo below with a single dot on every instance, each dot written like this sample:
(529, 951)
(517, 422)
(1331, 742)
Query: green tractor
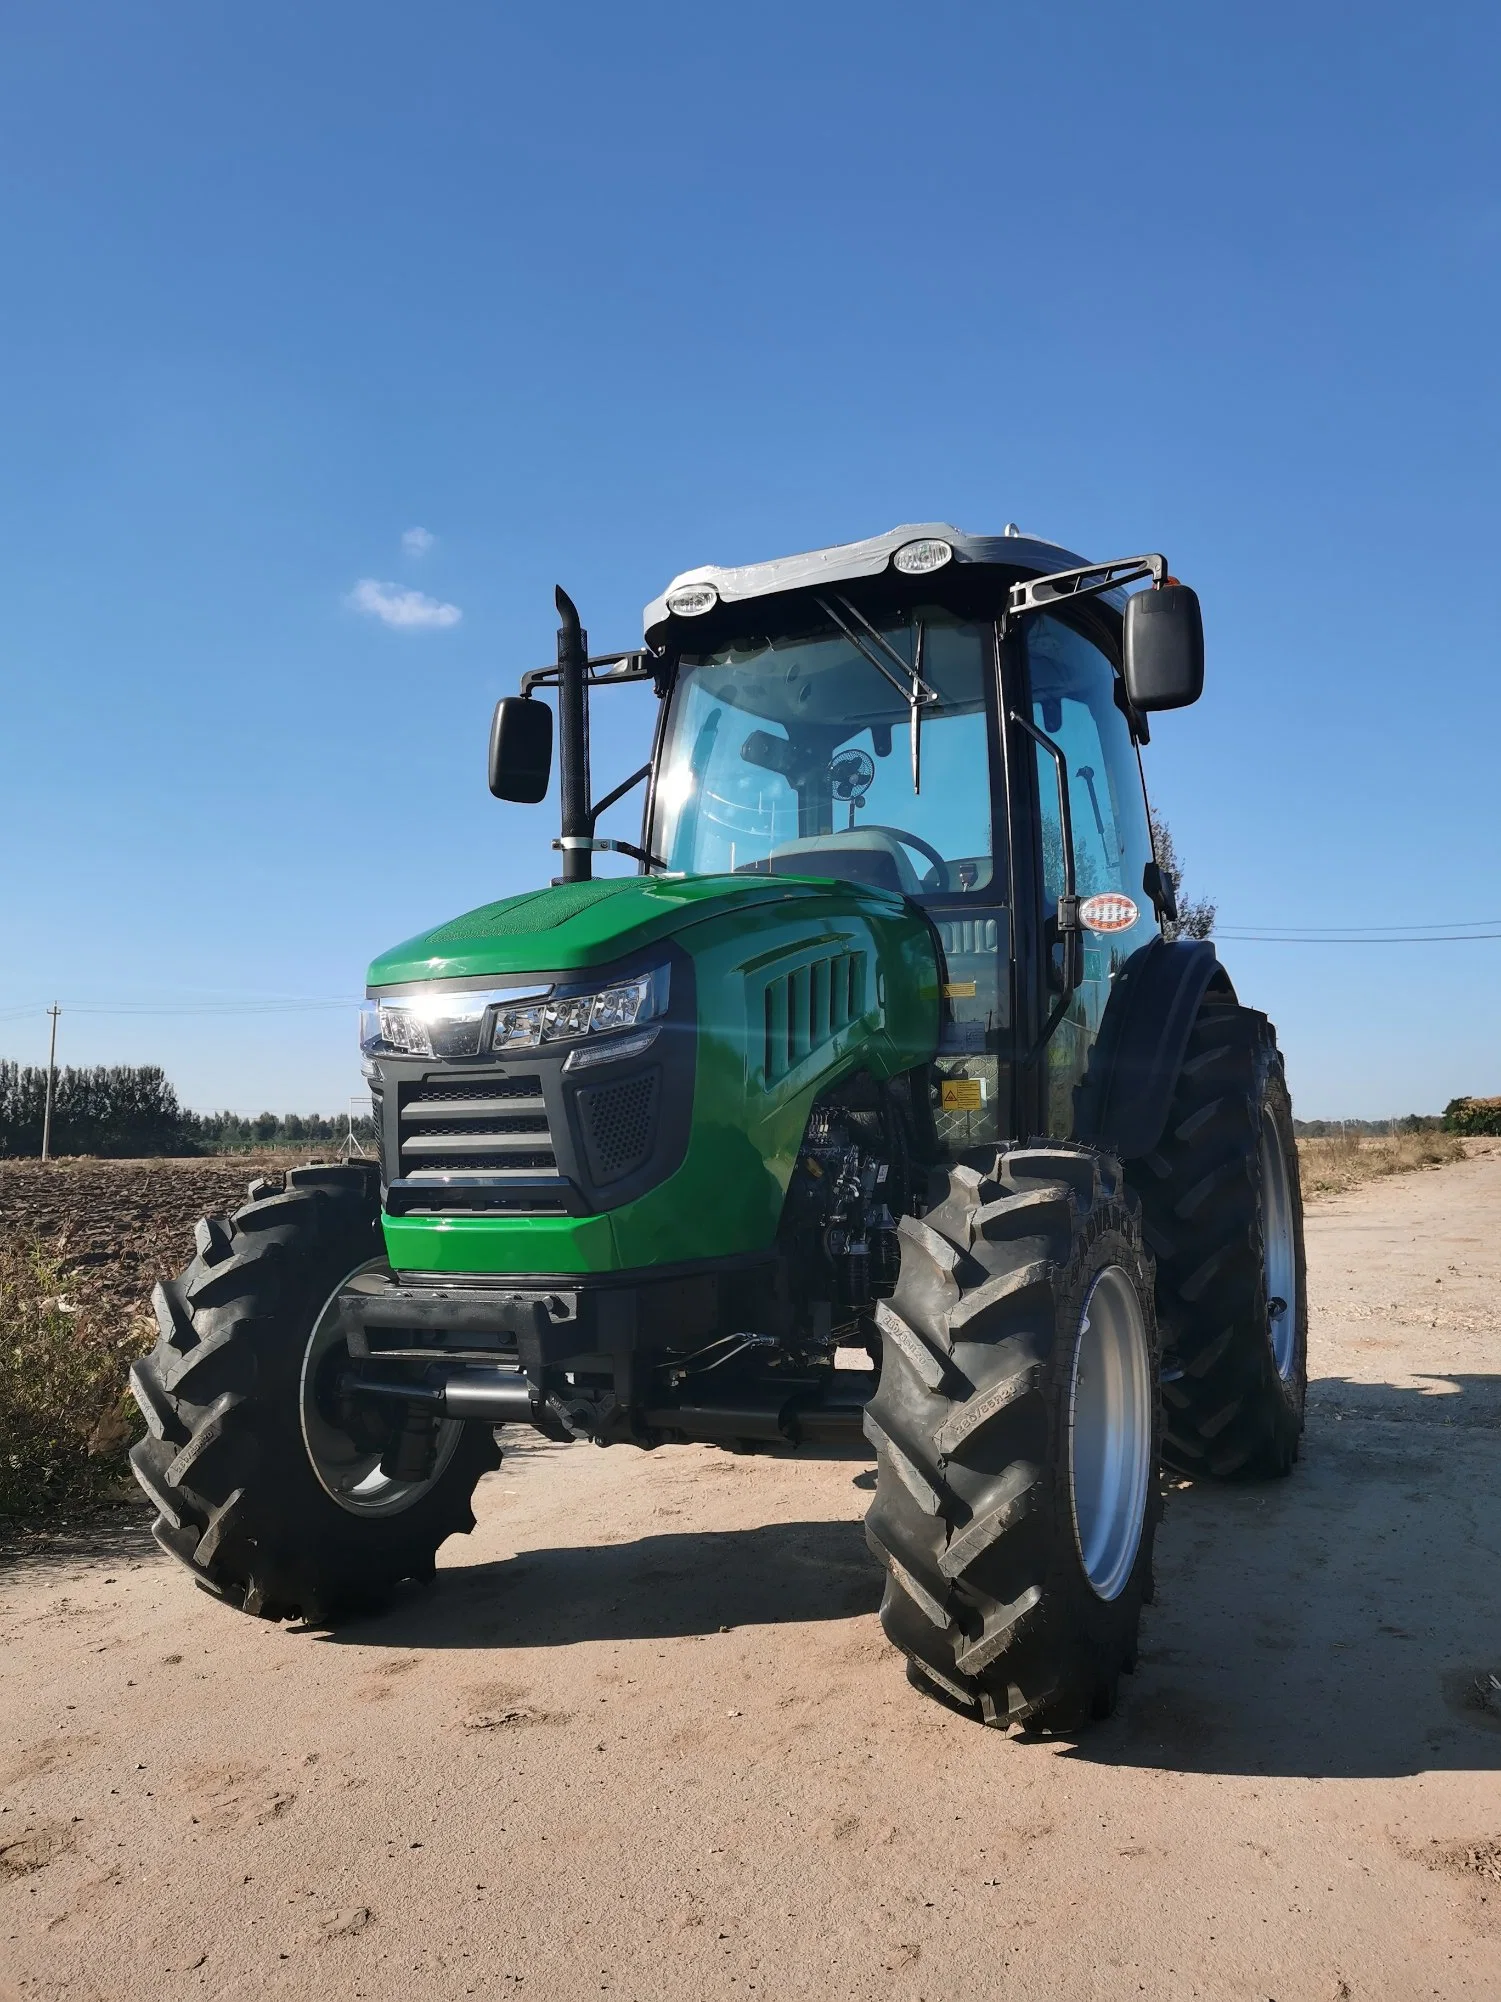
(882, 1103)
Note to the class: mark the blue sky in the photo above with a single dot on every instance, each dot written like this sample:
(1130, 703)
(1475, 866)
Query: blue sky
(591, 294)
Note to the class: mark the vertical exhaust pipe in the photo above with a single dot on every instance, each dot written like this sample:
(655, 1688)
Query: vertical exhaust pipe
(573, 729)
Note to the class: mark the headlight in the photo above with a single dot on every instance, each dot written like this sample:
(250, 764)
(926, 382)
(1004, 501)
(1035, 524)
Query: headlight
(429, 1025)
(916, 559)
(575, 1016)
(435, 1024)
(394, 1027)
(473, 1023)
(517, 1029)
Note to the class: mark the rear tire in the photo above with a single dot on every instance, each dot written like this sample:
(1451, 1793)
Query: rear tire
(1017, 1528)
(226, 1459)
(1222, 1211)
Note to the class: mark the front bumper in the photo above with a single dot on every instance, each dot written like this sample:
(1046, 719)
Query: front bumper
(567, 1321)
(612, 1361)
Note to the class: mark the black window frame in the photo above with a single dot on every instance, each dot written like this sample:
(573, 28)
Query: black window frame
(1100, 625)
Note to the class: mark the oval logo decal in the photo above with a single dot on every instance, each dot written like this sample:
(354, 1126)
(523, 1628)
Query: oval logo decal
(1111, 912)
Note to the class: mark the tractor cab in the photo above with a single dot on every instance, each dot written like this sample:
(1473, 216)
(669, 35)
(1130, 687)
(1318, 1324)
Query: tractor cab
(946, 718)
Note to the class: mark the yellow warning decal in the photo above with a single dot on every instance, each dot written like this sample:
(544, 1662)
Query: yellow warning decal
(961, 1094)
(959, 990)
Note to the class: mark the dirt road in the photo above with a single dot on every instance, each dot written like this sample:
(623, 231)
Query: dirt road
(644, 1737)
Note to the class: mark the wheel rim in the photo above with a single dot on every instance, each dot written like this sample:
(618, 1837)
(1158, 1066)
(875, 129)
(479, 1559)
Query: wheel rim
(1279, 1253)
(346, 1471)
(1110, 1432)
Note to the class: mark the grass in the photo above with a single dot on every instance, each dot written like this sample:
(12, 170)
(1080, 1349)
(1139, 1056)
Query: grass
(1343, 1161)
(66, 1418)
(82, 1242)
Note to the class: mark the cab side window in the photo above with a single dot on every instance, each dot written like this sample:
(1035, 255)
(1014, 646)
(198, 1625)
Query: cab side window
(1073, 703)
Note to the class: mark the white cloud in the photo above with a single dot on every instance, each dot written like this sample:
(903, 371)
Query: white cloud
(393, 605)
(418, 541)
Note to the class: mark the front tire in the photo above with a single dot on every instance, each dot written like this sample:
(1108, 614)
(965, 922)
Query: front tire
(259, 1492)
(1016, 1428)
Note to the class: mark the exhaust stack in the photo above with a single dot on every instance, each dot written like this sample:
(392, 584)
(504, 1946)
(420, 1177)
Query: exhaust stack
(573, 729)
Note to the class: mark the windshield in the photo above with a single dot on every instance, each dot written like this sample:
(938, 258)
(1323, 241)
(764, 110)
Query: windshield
(793, 756)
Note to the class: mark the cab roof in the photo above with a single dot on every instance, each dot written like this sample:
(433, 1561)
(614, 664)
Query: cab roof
(848, 560)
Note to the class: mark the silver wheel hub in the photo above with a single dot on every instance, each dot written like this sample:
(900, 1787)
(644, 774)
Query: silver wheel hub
(347, 1471)
(1279, 1253)
(1110, 1431)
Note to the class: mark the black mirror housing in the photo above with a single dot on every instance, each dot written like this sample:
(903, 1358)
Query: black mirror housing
(521, 749)
(1164, 648)
(1159, 887)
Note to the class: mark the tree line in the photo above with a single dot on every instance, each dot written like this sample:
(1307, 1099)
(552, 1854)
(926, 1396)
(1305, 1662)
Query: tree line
(1460, 1115)
(1338, 1129)
(1473, 1115)
(129, 1110)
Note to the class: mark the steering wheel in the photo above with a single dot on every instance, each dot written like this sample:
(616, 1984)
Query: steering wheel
(940, 869)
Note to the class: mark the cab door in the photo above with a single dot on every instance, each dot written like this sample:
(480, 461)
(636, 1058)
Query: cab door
(1073, 702)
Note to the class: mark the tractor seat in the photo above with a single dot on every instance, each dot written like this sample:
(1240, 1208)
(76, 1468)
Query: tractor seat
(854, 855)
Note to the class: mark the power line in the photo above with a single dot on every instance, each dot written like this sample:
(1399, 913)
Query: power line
(149, 1009)
(1459, 926)
(218, 1008)
(1335, 938)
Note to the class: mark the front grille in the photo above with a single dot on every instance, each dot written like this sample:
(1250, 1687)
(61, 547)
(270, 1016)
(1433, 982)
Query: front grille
(620, 1124)
(490, 1127)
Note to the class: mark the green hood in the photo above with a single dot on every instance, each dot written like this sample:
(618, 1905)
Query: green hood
(579, 925)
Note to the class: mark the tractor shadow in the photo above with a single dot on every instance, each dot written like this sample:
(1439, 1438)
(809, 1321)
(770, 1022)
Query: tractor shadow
(1344, 1623)
(652, 1588)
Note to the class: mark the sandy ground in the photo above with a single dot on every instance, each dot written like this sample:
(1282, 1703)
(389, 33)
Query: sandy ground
(643, 1738)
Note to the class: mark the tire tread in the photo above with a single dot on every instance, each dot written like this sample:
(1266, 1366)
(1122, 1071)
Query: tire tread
(985, 1594)
(1230, 1412)
(223, 1461)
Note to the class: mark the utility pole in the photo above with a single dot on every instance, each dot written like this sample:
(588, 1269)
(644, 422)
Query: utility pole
(54, 1011)
(350, 1149)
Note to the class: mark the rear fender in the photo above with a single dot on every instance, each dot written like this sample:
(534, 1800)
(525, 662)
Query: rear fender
(1122, 1101)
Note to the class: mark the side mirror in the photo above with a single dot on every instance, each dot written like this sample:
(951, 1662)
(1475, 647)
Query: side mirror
(1159, 887)
(1164, 648)
(521, 749)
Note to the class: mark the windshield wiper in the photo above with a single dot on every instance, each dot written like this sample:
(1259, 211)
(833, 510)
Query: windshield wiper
(913, 690)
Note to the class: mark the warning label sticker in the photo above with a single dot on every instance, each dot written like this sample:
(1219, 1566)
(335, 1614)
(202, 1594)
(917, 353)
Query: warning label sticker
(961, 1094)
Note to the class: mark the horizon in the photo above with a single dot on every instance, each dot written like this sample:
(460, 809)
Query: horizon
(362, 1102)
